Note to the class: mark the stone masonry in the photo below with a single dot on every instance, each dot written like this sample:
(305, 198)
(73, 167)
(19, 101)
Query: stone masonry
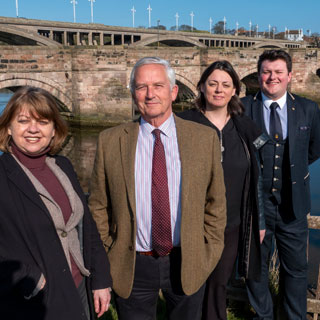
(92, 82)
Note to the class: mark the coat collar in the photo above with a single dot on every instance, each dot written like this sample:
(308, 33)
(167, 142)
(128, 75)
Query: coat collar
(128, 144)
(21, 181)
(257, 115)
(185, 137)
(257, 112)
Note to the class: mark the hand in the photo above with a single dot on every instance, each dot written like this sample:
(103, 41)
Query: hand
(262, 234)
(101, 300)
(43, 284)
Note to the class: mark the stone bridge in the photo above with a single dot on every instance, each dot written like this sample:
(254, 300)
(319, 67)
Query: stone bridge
(20, 31)
(92, 82)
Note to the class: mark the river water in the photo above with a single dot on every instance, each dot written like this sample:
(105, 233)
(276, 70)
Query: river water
(80, 149)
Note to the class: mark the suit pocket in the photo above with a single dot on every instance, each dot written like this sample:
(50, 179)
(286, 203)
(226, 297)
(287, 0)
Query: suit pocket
(112, 237)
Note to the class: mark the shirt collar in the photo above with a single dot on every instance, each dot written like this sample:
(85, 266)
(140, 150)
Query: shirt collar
(267, 101)
(166, 128)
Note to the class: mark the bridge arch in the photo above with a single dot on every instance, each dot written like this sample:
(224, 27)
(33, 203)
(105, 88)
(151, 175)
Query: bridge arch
(166, 37)
(249, 81)
(17, 36)
(27, 79)
(191, 86)
(268, 44)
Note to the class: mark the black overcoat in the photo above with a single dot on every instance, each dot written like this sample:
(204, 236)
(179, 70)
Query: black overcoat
(29, 246)
(252, 216)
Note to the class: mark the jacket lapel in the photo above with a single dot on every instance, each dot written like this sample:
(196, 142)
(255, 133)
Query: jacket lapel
(292, 122)
(257, 112)
(184, 137)
(128, 143)
(22, 182)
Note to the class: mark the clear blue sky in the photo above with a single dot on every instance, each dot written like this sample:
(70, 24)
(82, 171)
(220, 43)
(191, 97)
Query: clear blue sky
(292, 14)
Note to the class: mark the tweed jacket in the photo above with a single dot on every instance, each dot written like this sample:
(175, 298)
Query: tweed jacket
(203, 207)
(303, 139)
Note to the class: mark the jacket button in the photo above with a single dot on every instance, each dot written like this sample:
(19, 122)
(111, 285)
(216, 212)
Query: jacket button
(274, 190)
(276, 168)
(276, 156)
(275, 179)
(64, 234)
(277, 145)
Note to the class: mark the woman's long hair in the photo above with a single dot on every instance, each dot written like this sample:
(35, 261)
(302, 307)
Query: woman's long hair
(235, 106)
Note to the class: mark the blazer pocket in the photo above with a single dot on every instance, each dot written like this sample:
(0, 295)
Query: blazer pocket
(303, 131)
(112, 237)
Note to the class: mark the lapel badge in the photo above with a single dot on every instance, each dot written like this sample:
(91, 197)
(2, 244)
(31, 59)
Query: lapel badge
(276, 136)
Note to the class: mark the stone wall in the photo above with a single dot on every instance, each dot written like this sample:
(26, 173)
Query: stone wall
(92, 82)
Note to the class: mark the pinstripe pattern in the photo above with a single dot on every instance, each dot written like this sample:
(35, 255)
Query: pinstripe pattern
(143, 170)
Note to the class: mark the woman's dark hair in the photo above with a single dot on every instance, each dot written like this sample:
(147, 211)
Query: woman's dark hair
(40, 104)
(235, 106)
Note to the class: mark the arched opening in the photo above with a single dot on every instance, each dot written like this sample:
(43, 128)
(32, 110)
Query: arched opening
(6, 93)
(318, 72)
(171, 43)
(16, 40)
(17, 36)
(169, 40)
(184, 99)
(251, 84)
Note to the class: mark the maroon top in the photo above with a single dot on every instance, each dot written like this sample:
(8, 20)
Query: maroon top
(38, 167)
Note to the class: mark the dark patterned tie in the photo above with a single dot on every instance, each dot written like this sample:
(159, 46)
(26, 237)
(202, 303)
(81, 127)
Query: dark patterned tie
(161, 218)
(275, 129)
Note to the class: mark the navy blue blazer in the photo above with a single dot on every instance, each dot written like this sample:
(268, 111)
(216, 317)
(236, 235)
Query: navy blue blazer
(304, 143)
(29, 246)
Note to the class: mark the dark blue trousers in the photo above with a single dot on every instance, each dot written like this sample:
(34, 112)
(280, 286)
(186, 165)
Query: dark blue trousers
(291, 237)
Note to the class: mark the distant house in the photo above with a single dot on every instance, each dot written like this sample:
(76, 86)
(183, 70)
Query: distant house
(292, 35)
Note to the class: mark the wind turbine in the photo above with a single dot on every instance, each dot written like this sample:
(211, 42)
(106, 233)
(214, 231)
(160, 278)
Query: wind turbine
(74, 2)
(133, 10)
(92, 1)
(149, 9)
(191, 15)
(177, 21)
(17, 8)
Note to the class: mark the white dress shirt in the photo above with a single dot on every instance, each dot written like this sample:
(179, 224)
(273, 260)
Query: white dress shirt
(143, 179)
(282, 111)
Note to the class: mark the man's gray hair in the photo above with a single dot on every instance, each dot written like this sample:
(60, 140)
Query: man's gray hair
(153, 60)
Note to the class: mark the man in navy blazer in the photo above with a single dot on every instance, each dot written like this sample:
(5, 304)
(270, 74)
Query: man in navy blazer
(292, 125)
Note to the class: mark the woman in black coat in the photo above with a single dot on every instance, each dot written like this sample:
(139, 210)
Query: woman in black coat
(51, 255)
(219, 107)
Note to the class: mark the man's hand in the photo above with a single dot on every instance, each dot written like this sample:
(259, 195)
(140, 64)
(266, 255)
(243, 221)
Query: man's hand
(262, 234)
(101, 299)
